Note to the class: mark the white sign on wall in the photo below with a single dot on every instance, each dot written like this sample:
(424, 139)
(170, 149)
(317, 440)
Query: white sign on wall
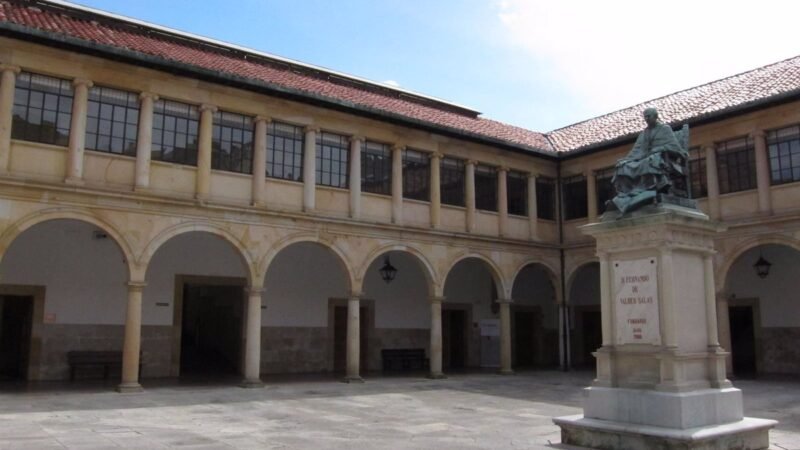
(636, 301)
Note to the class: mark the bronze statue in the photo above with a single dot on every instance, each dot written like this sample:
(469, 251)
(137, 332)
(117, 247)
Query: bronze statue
(656, 166)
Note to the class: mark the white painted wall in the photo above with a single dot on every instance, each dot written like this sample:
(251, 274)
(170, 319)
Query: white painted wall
(471, 282)
(404, 302)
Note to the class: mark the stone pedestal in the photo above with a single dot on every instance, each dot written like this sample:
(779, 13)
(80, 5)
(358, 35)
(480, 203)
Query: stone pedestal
(660, 373)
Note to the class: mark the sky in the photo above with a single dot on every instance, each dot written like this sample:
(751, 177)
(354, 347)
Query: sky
(536, 64)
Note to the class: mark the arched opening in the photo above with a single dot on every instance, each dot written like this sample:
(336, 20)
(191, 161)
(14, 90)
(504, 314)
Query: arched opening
(402, 314)
(470, 316)
(306, 289)
(764, 313)
(534, 319)
(194, 302)
(82, 272)
(585, 325)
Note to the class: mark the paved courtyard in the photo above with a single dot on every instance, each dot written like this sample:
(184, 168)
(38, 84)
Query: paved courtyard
(463, 411)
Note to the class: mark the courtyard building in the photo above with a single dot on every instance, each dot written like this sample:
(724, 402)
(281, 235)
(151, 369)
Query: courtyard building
(205, 209)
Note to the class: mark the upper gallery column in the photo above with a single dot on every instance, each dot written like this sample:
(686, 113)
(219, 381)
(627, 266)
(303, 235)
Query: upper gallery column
(77, 131)
(591, 195)
(204, 151)
(144, 141)
(355, 176)
(8, 79)
(712, 182)
(397, 184)
(310, 169)
(533, 222)
(259, 160)
(502, 201)
(436, 190)
(470, 197)
(762, 171)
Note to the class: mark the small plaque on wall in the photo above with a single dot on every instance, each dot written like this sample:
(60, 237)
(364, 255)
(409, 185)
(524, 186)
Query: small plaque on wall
(635, 284)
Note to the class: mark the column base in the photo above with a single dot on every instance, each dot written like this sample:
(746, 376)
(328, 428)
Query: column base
(437, 376)
(352, 379)
(74, 181)
(251, 384)
(129, 388)
(506, 372)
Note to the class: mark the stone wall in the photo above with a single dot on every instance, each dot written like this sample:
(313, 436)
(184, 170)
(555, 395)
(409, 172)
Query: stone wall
(385, 338)
(780, 350)
(296, 350)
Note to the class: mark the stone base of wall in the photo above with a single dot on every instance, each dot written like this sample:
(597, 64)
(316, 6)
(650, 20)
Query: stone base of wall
(780, 350)
(387, 338)
(296, 349)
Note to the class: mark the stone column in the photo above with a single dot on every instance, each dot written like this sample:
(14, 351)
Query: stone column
(436, 190)
(533, 216)
(712, 181)
(8, 79)
(436, 338)
(259, 160)
(505, 336)
(77, 131)
(502, 201)
(669, 336)
(310, 169)
(470, 197)
(203, 186)
(397, 184)
(131, 347)
(591, 195)
(144, 140)
(562, 336)
(762, 171)
(353, 339)
(355, 176)
(724, 327)
(252, 357)
(606, 305)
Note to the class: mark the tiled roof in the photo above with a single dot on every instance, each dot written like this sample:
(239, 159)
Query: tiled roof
(715, 98)
(105, 31)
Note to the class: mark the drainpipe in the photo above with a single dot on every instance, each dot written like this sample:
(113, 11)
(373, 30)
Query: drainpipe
(563, 315)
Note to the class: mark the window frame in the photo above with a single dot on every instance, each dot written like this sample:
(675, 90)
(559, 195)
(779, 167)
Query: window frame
(698, 179)
(572, 209)
(452, 181)
(340, 149)
(292, 147)
(486, 188)
(236, 132)
(187, 155)
(416, 183)
(742, 151)
(781, 150)
(129, 124)
(513, 199)
(546, 208)
(376, 167)
(64, 96)
(603, 188)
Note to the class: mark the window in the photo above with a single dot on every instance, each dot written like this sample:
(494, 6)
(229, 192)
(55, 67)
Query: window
(736, 165)
(545, 198)
(376, 168)
(604, 190)
(574, 191)
(517, 189)
(42, 109)
(332, 159)
(784, 154)
(175, 127)
(111, 121)
(485, 188)
(452, 181)
(697, 173)
(232, 142)
(285, 151)
(416, 175)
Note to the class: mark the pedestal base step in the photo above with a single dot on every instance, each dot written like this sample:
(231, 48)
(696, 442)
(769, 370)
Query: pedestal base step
(748, 433)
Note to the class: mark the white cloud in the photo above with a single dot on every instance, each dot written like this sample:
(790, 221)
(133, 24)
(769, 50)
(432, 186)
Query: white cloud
(391, 83)
(614, 54)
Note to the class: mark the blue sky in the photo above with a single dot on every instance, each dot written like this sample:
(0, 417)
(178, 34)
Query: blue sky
(536, 64)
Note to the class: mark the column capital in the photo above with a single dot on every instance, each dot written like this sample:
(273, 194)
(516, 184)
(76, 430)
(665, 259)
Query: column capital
(82, 82)
(757, 134)
(136, 285)
(356, 295)
(709, 147)
(471, 162)
(437, 299)
(255, 290)
(532, 174)
(311, 129)
(398, 148)
(505, 301)
(356, 138)
(150, 95)
(10, 67)
(502, 169)
(207, 107)
(261, 118)
(436, 155)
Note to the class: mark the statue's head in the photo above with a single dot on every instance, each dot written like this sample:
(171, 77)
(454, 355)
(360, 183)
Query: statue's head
(651, 117)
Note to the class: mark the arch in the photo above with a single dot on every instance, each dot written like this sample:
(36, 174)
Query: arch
(549, 270)
(494, 271)
(728, 261)
(425, 265)
(266, 260)
(571, 276)
(187, 227)
(17, 228)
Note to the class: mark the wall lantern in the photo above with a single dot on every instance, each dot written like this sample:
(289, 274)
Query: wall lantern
(388, 271)
(762, 267)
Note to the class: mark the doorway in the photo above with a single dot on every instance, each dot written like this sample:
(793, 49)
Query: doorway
(454, 339)
(211, 329)
(340, 339)
(743, 340)
(592, 337)
(525, 338)
(16, 320)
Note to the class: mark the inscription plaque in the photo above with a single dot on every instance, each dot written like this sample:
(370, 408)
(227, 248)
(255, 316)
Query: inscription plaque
(636, 301)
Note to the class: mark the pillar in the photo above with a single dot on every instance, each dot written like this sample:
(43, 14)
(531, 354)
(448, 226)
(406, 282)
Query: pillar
(132, 344)
(505, 336)
(502, 201)
(533, 213)
(310, 169)
(669, 335)
(77, 131)
(724, 327)
(563, 350)
(470, 197)
(259, 160)
(712, 181)
(353, 339)
(606, 305)
(8, 79)
(711, 302)
(144, 140)
(591, 195)
(397, 184)
(203, 186)
(355, 177)
(436, 338)
(436, 190)
(252, 356)
(762, 171)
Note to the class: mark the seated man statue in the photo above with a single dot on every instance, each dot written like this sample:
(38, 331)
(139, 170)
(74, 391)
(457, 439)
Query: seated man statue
(656, 162)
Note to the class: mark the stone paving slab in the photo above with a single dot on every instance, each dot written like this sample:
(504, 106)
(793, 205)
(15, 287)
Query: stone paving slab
(470, 411)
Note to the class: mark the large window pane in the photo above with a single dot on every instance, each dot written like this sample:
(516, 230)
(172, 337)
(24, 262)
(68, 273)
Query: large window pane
(452, 181)
(285, 151)
(111, 121)
(42, 109)
(175, 128)
(376, 168)
(603, 187)
(332, 160)
(517, 191)
(231, 142)
(784, 154)
(736, 165)
(485, 188)
(545, 198)
(574, 191)
(697, 173)
(416, 175)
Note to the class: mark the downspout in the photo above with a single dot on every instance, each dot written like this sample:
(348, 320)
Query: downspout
(562, 307)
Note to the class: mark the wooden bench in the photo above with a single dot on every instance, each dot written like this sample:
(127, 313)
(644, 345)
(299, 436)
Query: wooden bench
(404, 359)
(110, 361)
